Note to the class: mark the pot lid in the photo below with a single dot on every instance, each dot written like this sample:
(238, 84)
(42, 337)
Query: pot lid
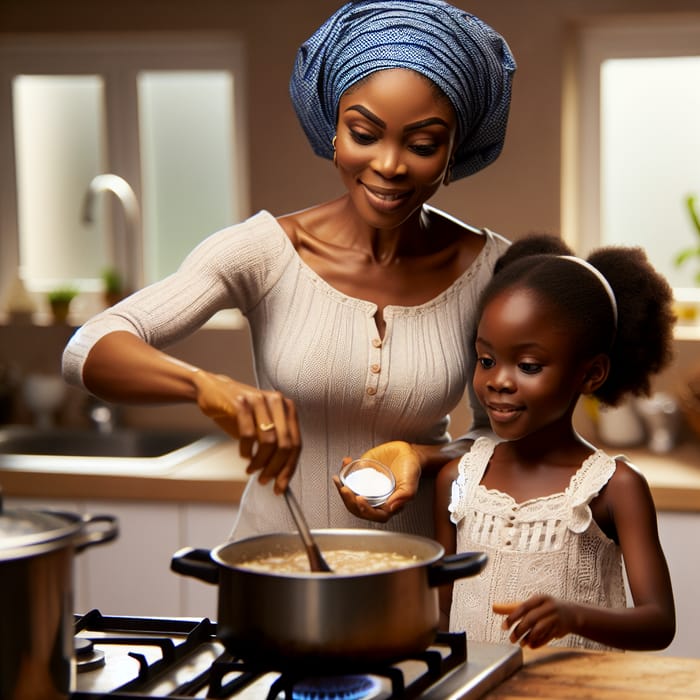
(25, 532)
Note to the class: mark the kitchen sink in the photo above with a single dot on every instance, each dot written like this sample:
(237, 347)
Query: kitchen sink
(124, 450)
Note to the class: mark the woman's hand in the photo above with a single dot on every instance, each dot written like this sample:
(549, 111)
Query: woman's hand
(404, 462)
(264, 422)
(538, 620)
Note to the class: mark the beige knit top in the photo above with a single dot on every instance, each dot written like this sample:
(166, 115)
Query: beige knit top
(321, 348)
(549, 545)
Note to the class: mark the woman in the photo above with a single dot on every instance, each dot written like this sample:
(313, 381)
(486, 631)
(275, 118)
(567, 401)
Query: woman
(359, 308)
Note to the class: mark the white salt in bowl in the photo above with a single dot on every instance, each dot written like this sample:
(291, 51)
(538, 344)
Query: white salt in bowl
(370, 479)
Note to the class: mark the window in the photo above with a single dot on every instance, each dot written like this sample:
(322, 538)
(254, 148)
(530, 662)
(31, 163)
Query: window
(163, 113)
(632, 153)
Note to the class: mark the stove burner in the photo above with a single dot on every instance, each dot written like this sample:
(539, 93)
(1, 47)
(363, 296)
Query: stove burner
(333, 688)
(87, 657)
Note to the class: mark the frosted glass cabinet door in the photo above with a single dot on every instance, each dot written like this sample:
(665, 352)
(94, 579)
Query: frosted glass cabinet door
(185, 122)
(59, 125)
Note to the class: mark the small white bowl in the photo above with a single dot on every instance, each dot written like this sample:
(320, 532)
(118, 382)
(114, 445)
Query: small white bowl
(370, 479)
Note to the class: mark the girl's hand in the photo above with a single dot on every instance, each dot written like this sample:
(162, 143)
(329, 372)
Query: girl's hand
(404, 462)
(536, 621)
(264, 422)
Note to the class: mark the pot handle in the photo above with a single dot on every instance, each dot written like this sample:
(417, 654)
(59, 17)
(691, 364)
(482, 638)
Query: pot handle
(89, 537)
(196, 563)
(454, 566)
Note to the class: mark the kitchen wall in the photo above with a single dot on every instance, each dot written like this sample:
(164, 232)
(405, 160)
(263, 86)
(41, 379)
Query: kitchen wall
(516, 194)
(519, 193)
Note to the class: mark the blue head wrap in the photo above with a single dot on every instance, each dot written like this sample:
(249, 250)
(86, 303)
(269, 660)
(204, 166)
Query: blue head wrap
(463, 56)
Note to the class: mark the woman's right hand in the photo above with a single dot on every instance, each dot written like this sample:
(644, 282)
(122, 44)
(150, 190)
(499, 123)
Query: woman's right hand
(121, 367)
(264, 422)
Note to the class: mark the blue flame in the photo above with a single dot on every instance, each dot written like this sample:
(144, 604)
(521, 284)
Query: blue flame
(334, 688)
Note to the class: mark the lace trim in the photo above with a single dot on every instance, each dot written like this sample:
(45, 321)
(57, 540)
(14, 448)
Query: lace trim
(497, 519)
(471, 470)
(585, 485)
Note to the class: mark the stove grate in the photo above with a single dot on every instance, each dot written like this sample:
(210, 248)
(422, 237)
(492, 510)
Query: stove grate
(213, 680)
(194, 633)
(436, 665)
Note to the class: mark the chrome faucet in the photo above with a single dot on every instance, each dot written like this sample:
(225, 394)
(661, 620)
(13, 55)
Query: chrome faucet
(126, 244)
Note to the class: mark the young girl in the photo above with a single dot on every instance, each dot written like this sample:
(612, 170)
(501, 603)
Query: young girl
(556, 515)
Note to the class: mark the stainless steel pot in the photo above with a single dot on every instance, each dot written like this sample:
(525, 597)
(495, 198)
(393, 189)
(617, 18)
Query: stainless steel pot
(36, 598)
(291, 620)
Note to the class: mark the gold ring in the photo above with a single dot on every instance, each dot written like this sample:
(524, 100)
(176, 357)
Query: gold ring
(266, 426)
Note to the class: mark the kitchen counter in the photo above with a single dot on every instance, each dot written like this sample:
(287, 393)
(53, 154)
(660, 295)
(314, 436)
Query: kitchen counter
(552, 674)
(674, 478)
(218, 475)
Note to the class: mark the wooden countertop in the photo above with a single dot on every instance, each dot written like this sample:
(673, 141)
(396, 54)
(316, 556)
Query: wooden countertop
(218, 475)
(554, 674)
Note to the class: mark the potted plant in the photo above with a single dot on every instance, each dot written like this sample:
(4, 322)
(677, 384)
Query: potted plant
(59, 301)
(113, 286)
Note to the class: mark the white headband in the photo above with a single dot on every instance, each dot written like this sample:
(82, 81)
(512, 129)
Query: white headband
(601, 279)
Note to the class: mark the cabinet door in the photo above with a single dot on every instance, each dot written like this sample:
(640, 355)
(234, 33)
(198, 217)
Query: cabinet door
(204, 525)
(680, 534)
(131, 576)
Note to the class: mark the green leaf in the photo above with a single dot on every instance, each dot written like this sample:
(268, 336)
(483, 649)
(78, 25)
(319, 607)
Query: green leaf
(690, 203)
(685, 255)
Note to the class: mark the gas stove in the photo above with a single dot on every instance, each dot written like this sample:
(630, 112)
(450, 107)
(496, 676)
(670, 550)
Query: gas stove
(177, 658)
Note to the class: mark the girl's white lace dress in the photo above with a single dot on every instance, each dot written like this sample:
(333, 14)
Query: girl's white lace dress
(548, 545)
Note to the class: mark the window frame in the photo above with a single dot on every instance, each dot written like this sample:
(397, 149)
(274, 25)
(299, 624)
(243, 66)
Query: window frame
(653, 36)
(118, 58)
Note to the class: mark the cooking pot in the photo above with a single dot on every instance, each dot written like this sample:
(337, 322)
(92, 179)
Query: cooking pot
(293, 620)
(36, 598)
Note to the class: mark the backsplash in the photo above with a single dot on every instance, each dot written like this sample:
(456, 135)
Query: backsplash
(26, 349)
(36, 349)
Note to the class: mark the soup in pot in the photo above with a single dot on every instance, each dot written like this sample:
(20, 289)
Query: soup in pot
(342, 561)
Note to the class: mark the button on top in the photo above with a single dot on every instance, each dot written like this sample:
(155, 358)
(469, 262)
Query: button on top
(377, 342)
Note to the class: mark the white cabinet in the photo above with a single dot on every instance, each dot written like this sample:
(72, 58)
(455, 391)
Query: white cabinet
(680, 534)
(203, 525)
(131, 575)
